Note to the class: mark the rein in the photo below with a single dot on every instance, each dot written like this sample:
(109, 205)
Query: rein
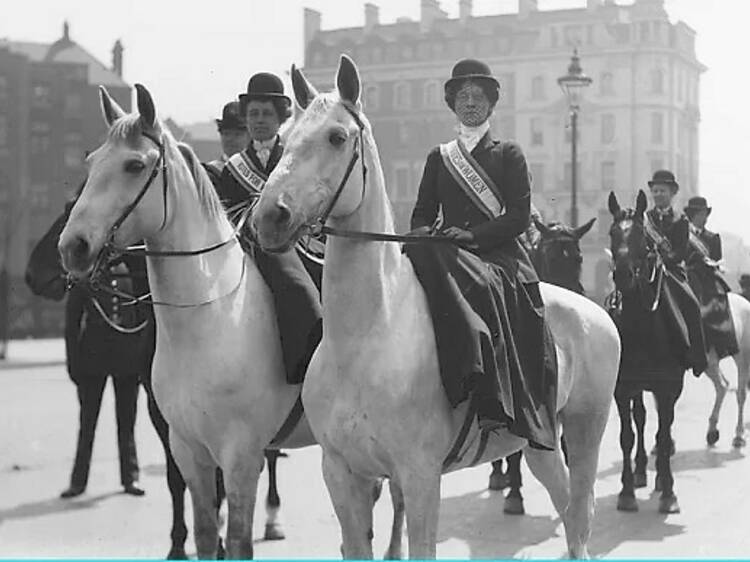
(110, 250)
(319, 227)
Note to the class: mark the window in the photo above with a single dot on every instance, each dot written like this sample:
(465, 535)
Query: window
(608, 176)
(372, 97)
(403, 133)
(402, 95)
(645, 31)
(3, 130)
(657, 128)
(73, 105)
(3, 89)
(537, 88)
(537, 177)
(657, 81)
(40, 137)
(41, 96)
(554, 37)
(608, 128)
(537, 131)
(431, 94)
(606, 84)
(507, 127)
(73, 154)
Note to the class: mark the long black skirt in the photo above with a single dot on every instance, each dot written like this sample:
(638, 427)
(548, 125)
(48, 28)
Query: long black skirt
(718, 327)
(492, 339)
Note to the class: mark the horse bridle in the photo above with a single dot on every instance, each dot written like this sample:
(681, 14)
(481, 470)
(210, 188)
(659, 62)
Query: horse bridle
(109, 250)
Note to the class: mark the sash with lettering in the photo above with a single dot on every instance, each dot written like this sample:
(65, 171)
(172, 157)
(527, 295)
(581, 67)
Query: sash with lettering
(246, 174)
(472, 179)
(656, 237)
(700, 246)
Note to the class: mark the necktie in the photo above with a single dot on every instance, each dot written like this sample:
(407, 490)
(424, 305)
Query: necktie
(263, 150)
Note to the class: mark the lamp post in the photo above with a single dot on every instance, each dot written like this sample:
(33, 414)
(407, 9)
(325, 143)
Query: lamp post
(572, 85)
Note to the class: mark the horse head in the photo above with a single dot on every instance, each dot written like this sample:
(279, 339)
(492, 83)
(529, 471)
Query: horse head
(628, 243)
(321, 174)
(125, 196)
(559, 254)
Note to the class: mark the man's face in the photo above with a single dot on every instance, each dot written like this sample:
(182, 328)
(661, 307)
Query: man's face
(472, 106)
(662, 195)
(234, 140)
(262, 120)
(699, 218)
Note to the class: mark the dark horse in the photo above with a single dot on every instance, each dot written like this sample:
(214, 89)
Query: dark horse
(556, 252)
(648, 361)
(45, 277)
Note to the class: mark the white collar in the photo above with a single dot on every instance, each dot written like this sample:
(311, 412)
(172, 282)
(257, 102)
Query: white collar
(470, 136)
(270, 143)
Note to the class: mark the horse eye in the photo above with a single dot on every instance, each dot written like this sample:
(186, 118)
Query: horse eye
(337, 138)
(134, 166)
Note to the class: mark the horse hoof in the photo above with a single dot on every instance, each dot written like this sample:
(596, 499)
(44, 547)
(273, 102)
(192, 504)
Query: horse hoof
(669, 505)
(712, 436)
(498, 481)
(176, 553)
(738, 442)
(514, 506)
(640, 480)
(221, 552)
(392, 555)
(274, 532)
(626, 503)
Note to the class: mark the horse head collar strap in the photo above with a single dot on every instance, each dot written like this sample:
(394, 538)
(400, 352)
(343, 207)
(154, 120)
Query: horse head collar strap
(317, 228)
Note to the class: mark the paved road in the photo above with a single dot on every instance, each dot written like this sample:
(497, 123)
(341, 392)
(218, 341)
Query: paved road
(37, 437)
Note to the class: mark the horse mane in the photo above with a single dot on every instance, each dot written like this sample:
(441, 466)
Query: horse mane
(129, 128)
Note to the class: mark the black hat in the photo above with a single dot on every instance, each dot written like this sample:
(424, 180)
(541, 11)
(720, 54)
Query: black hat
(664, 177)
(231, 118)
(473, 69)
(263, 86)
(745, 279)
(697, 204)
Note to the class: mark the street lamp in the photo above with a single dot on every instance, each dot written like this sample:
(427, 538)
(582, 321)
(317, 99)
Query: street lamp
(572, 85)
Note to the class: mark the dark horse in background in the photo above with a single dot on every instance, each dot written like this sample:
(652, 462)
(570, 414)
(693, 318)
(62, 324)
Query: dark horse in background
(45, 277)
(556, 253)
(649, 361)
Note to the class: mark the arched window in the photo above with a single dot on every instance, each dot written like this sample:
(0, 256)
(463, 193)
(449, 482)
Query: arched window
(606, 84)
(372, 97)
(431, 94)
(402, 95)
(657, 81)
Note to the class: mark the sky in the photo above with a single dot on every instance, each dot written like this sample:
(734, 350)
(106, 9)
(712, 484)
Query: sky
(195, 60)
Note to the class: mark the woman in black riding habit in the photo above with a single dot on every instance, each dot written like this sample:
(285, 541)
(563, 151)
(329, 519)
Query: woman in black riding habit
(483, 291)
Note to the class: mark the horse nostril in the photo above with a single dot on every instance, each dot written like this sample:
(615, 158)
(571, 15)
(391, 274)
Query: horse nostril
(283, 213)
(80, 249)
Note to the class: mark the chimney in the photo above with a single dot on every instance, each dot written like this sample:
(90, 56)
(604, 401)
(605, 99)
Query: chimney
(464, 10)
(430, 12)
(117, 58)
(312, 25)
(372, 17)
(66, 31)
(525, 7)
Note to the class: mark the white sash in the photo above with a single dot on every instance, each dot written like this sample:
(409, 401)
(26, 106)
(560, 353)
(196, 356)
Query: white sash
(472, 179)
(245, 173)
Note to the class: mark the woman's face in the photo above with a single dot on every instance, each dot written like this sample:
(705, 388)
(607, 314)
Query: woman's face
(472, 106)
(662, 195)
(262, 120)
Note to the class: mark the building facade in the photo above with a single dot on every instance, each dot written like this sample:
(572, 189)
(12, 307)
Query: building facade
(49, 118)
(640, 114)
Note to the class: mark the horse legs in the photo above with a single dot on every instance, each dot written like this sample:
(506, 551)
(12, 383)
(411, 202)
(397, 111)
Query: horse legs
(626, 499)
(742, 379)
(498, 478)
(199, 472)
(665, 403)
(720, 386)
(353, 499)
(395, 551)
(175, 481)
(421, 487)
(514, 499)
(274, 531)
(241, 474)
(641, 458)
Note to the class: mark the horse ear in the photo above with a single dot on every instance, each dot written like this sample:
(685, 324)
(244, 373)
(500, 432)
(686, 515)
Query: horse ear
(146, 106)
(544, 230)
(581, 231)
(614, 205)
(110, 110)
(347, 80)
(304, 92)
(640, 203)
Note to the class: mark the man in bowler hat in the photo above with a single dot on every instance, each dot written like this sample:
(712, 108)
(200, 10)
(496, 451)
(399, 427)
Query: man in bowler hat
(234, 138)
(704, 276)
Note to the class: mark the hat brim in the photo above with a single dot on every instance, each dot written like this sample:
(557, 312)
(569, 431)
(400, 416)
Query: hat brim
(690, 209)
(230, 126)
(472, 77)
(245, 98)
(672, 184)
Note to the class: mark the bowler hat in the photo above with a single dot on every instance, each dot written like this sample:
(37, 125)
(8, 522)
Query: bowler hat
(471, 69)
(664, 177)
(745, 279)
(263, 86)
(231, 118)
(697, 204)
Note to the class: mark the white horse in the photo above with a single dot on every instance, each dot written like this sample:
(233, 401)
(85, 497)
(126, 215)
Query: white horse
(373, 393)
(218, 376)
(740, 311)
